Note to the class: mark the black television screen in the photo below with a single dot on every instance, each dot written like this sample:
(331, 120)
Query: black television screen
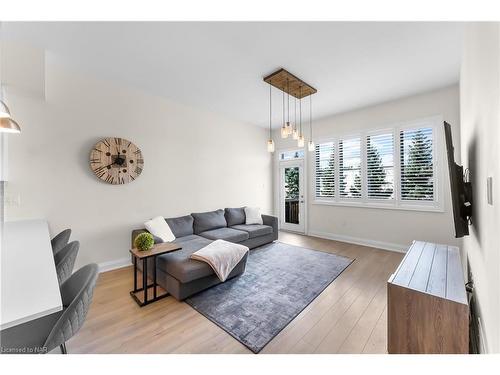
(460, 190)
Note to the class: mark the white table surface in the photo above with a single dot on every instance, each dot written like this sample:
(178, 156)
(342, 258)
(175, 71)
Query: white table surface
(29, 286)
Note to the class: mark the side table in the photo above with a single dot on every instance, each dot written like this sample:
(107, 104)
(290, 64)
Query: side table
(157, 249)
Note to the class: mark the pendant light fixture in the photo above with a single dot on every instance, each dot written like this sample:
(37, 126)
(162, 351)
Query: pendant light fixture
(284, 131)
(310, 145)
(295, 132)
(4, 110)
(292, 85)
(7, 124)
(270, 142)
(300, 141)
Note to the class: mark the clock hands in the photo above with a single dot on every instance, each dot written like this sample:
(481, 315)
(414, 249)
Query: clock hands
(102, 168)
(119, 161)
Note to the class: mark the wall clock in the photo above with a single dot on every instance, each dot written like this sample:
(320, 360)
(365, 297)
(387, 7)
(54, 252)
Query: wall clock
(116, 160)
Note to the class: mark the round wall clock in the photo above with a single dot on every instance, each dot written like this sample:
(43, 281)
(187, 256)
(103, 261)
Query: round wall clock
(116, 160)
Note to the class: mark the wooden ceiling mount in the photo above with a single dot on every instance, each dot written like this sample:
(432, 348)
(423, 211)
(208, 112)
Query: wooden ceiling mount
(296, 87)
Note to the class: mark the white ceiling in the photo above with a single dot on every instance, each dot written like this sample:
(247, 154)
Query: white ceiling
(219, 66)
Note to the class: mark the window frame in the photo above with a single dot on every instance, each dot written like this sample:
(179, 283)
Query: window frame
(286, 150)
(396, 203)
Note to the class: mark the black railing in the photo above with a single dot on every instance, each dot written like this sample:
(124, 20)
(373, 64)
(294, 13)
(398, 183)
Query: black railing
(292, 210)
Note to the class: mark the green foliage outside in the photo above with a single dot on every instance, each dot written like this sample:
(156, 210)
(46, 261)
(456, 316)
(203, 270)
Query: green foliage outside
(328, 185)
(376, 174)
(292, 182)
(417, 169)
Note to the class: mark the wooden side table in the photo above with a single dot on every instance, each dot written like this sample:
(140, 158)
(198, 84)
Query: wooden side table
(157, 249)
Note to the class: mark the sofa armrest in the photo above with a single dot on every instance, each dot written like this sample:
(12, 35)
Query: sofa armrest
(272, 221)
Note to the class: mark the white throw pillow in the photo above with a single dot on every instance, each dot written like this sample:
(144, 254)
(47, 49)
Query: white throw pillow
(158, 227)
(253, 215)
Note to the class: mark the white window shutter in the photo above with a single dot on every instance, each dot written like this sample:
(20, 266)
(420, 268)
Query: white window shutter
(380, 166)
(350, 168)
(325, 170)
(417, 164)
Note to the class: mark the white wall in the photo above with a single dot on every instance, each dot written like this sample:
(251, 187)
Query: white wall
(391, 229)
(480, 123)
(194, 161)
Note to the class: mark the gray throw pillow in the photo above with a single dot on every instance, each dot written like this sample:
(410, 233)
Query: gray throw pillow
(235, 216)
(204, 221)
(181, 226)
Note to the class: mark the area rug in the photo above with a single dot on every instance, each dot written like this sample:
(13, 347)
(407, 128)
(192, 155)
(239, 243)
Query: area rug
(280, 280)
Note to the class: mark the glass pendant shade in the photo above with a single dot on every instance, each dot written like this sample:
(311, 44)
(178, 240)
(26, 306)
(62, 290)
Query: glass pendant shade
(7, 125)
(300, 141)
(270, 145)
(4, 110)
(310, 146)
(295, 134)
(284, 132)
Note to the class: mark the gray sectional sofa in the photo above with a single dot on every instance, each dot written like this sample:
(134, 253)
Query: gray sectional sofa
(182, 276)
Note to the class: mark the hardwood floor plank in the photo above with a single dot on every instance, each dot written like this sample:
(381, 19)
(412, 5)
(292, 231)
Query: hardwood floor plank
(358, 337)
(377, 342)
(330, 334)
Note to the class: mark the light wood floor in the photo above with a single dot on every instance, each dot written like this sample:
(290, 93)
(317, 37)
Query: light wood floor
(348, 317)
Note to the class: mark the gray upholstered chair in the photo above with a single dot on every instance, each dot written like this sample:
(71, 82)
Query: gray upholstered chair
(65, 260)
(61, 240)
(45, 334)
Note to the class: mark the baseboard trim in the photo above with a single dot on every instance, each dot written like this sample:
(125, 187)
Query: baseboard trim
(114, 264)
(360, 241)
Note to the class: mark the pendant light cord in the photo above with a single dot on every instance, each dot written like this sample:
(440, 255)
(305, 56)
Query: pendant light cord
(270, 111)
(310, 118)
(300, 109)
(288, 97)
(283, 108)
(295, 115)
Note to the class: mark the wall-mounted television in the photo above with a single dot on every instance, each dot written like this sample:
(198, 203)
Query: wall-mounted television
(461, 189)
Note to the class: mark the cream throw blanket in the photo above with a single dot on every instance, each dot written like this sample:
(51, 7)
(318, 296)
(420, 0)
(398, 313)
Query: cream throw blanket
(222, 256)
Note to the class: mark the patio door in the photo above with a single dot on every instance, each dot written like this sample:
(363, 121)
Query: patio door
(291, 196)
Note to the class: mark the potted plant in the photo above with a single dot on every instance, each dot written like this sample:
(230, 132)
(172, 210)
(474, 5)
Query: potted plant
(144, 241)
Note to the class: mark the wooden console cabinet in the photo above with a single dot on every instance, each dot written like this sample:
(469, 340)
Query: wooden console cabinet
(427, 302)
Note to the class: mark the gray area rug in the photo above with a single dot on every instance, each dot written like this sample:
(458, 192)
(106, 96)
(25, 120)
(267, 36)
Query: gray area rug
(280, 280)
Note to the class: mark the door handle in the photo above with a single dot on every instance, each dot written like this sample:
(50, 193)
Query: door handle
(301, 201)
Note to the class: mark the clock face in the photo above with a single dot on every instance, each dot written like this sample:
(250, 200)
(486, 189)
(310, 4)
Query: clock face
(116, 160)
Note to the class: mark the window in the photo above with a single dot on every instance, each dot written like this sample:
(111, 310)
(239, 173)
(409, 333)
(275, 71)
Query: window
(391, 168)
(290, 155)
(350, 168)
(380, 166)
(417, 167)
(325, 168)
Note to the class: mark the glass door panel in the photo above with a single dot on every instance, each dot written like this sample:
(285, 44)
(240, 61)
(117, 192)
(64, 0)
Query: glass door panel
(292, 196)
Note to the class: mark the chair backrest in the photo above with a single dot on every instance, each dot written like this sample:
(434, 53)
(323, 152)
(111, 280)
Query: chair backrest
(77, 293)
(61, 240)
(65, 260)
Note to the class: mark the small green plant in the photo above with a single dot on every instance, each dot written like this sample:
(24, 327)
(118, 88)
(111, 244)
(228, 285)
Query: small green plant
(144, 241)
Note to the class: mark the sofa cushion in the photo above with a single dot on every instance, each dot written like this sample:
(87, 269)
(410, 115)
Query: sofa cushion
(181, 226)
(234, 216)
(205, 221)
(254, 230)
(179, 265)
(187, 238)
(227, 234)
